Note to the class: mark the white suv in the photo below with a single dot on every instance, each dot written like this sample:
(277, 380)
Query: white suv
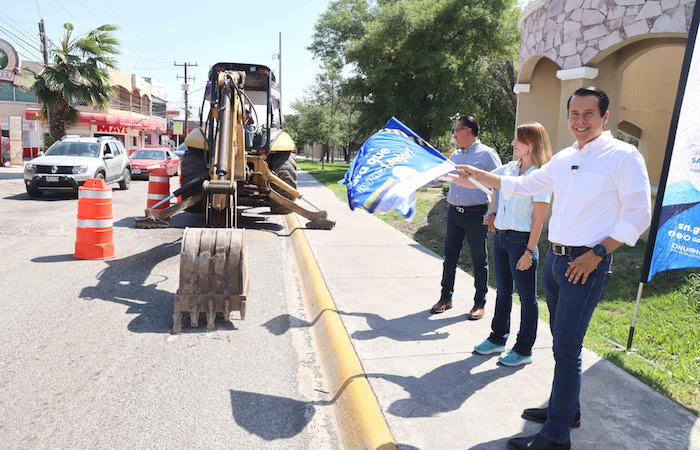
(68, 164)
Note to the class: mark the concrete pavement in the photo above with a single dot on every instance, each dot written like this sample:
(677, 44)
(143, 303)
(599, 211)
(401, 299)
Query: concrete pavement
(434, 392)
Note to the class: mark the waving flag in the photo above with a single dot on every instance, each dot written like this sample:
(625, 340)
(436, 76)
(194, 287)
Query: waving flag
(390, 166)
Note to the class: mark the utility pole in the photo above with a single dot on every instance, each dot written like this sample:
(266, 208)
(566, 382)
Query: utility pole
(279, 72)
(185, 88)
(279, 59)
(45, 52)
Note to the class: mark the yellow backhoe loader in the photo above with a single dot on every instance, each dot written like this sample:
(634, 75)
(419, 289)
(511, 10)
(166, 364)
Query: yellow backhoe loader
(239, 156)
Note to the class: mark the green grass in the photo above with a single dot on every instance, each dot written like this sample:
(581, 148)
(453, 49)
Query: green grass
(666, 345)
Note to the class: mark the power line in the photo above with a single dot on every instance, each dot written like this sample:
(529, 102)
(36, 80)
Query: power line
(21, 32)
(26, 47)
(69, 13)
(129, 27)
(88, 10)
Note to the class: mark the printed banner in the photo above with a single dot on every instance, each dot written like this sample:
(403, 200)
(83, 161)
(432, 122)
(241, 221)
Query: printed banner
(388, 169)
(675, 232)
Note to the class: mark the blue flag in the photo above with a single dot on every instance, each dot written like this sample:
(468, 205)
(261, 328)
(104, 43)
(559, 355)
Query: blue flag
(674, 238)
(388, 169)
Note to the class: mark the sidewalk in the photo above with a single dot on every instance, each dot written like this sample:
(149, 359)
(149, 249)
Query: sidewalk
(436, 394)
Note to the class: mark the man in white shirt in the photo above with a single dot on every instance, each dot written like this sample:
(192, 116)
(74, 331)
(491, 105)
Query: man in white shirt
(601, 200)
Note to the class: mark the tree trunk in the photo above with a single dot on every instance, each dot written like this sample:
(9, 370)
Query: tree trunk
(57, 127)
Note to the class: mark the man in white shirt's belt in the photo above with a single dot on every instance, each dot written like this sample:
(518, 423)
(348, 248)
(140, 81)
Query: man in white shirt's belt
(601, 201)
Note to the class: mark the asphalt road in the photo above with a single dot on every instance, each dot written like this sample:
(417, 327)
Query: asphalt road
(87, 358)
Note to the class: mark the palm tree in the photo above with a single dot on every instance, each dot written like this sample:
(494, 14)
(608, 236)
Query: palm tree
(78, 75)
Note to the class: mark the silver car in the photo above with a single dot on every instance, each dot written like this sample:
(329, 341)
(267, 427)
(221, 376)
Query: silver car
(68, 164)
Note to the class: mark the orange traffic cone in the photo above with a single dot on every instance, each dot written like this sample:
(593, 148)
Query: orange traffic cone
(158, 188)
(94, 238)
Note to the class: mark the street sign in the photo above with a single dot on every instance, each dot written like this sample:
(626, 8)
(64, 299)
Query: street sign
(177, 127)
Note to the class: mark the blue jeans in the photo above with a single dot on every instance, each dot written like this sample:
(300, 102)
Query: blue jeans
(570, 309)
(508, 247)
(471, 225)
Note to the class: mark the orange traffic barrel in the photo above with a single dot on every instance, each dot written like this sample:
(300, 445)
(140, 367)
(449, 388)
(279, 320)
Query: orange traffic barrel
(94, 238)
(158, 188)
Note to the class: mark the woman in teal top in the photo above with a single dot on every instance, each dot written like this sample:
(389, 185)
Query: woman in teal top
(517, 223)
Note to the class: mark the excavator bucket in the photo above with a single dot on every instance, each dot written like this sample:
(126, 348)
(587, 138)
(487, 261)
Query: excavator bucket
(213, 275)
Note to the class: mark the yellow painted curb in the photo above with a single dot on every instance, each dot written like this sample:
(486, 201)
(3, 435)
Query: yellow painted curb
(362, 423)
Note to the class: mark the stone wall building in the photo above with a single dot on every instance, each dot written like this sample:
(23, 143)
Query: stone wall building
(632, 49)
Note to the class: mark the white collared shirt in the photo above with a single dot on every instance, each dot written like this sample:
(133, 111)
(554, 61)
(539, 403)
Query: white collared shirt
(600, 190)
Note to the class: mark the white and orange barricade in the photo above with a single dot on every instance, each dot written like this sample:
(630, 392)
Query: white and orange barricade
(94, 237)
(158, 188)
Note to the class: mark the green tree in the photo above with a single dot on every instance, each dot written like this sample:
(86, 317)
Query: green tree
(77, 74)
(325, 115)
(421, 60)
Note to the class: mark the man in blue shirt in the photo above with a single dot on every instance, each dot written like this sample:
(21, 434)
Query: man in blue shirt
(465, 217)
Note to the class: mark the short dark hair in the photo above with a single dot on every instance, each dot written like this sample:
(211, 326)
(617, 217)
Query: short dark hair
(603, 100)
(470, 121)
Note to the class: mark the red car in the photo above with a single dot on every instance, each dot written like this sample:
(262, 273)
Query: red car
(147, 159)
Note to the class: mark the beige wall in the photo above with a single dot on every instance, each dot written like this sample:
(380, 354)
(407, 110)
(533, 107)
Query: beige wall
(542, 102)
(652, 111)
(640, 78)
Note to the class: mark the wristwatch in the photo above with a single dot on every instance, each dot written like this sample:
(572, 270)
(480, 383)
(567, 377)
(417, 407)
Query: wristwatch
(600, 250)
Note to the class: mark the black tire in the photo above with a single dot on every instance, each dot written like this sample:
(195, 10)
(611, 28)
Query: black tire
(34, 193)
(284, 165)
(100, 175)
(192, 166)
(126, 180)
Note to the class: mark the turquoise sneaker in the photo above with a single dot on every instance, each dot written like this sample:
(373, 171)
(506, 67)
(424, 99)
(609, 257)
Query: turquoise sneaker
(513, 359)
(487, 347)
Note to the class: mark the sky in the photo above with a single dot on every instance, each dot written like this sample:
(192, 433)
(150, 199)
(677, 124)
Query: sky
(156, 34)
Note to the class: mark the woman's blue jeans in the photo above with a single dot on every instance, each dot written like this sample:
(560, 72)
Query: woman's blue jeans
(570, 309)
(508, 247)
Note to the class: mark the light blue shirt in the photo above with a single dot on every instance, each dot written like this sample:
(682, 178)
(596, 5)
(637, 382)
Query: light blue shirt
(480, 156)
(515, 213)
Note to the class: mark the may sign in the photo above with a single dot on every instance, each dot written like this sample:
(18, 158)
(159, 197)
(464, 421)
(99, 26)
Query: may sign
(111, 129)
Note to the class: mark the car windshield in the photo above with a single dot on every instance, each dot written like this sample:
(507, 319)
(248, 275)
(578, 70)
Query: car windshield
(148, 154)
(90, 149)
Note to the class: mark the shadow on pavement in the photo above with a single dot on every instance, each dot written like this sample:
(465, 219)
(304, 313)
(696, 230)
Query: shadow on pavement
(124, 282)
(54, 258)
(46, 197)
(269, 416)
(282, 323)
(185, 219)
(11, 175)
(420, 326)
(414, 327)
(456, 384)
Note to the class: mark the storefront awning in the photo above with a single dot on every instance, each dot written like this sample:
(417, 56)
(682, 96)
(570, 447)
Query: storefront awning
(88, 118)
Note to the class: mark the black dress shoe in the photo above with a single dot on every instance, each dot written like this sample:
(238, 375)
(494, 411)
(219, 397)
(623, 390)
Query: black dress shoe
(441, 306)
(536, 442)
(540, 415)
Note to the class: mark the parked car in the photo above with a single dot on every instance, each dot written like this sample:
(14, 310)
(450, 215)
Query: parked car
(143, 161)
(4, 151)
(71, 161)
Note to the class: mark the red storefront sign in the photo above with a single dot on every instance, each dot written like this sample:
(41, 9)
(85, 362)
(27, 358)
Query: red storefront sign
(110, 121)
(111, 129)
